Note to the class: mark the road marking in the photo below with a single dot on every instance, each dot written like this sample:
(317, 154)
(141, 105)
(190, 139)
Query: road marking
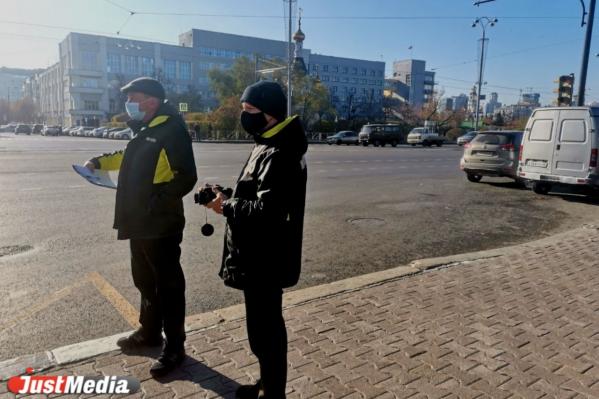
(31, 189)
(129, 313)
(39, 306)
(77, 186)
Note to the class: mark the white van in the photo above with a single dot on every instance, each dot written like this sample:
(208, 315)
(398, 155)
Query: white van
(559, 147)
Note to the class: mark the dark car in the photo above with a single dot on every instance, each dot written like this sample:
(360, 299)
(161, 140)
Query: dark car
(379, 135)
(37, 129)
(23, 129)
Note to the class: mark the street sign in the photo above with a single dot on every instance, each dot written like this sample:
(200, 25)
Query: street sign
(183, 107)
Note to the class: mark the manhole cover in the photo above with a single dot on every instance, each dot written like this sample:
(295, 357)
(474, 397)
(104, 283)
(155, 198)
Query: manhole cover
(14, 249)
(367, 222)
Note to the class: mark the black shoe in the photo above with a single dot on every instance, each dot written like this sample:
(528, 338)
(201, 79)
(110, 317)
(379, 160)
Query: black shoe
(139, 340)
(167, 362)
(249, 391)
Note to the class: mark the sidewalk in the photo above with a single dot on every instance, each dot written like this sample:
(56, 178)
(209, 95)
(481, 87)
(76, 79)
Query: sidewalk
(519, 322)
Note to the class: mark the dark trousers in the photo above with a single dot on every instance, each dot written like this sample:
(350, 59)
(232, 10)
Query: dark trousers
(268, 337)
(158, 276)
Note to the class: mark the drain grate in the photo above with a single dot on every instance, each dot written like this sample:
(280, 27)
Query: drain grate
(14, 249)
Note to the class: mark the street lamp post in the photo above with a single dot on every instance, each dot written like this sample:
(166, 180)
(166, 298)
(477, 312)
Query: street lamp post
(585, 55)
(483, 22)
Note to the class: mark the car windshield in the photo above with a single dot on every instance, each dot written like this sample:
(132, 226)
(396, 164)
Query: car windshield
(492, 139)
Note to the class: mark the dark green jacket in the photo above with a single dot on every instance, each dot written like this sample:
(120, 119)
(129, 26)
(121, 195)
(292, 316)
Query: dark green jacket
(156, 170)
(265, 216)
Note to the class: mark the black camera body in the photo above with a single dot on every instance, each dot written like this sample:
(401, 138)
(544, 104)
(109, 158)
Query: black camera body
(207, 195)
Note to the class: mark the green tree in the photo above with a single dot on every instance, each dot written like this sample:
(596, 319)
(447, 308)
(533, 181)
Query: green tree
(232, 82)
(311, 100)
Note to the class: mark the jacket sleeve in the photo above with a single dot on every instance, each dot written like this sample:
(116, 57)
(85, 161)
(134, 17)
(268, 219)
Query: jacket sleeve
(273, 179)
(109, 161)
(180, 157)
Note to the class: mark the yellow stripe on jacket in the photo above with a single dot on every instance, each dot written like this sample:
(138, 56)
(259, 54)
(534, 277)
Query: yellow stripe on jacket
(163, 173)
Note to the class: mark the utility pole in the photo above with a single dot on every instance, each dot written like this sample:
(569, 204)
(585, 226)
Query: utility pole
(289, 59)
(585, 55)
(483, 22)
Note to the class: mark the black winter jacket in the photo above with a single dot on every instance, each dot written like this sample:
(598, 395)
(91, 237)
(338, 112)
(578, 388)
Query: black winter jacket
(265, 216)
(156, 170)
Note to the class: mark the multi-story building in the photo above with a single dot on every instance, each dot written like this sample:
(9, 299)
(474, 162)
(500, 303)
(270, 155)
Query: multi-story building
(460, 102)
(492, 104)
(356, 86)
(414, 82)
(94, 68)
(12, 81)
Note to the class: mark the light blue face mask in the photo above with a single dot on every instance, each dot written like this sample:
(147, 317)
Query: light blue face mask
(134, 112)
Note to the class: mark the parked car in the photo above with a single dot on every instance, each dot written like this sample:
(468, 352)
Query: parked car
(560, 147)
(381, 134)
(424, 136)
(51, 131)
(124, 134)
(10, 128)
(492, 153)
(465, 139)
(23, 129)
(37, 128)
(344, 137)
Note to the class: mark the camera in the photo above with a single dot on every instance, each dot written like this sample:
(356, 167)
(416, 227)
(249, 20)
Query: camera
(206, 194)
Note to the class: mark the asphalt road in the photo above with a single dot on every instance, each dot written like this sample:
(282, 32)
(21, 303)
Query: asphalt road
(66, 279)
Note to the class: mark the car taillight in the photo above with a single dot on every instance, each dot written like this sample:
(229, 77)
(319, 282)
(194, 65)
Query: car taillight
(521, 151)
(593, 163)
(508, 147)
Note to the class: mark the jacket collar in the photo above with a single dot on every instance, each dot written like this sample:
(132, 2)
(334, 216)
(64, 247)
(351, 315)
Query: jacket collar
(277, 128)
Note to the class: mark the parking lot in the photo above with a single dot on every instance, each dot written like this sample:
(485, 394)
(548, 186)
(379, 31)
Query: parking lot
(368, 209)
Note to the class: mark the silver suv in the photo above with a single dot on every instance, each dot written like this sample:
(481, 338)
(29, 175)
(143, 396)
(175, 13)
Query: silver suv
(493, 153)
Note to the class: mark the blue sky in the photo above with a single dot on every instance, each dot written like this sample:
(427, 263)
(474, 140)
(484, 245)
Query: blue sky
(533, 42)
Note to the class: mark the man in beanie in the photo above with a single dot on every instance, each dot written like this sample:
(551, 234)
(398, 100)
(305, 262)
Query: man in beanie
(263, 239)
(156, 170)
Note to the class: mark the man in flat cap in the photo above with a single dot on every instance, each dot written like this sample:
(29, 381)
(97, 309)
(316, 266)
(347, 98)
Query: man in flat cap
(156, 170)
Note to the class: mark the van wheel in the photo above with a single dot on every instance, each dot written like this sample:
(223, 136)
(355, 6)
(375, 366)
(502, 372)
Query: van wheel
(365, 144)
(338, 142)
(541, 188)
(439, 144)
(376, 143)
(383, 143)
(473, 178)
(394, 143)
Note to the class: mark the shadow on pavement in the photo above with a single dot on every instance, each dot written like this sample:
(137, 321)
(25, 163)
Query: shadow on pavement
(208, 379)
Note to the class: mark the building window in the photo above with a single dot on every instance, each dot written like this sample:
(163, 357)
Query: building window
(334, 89)
(130, 66)
(336, 68)
(335, 78)
(363, 72)
(325, 68)
(147, 66)
(170, 69)
(315, 67)
(89, 60)
(363, 81)
(354, 71)
(91, 105)
(344, 70)
(408, 79)
(372, 72)
(113, 62)
(325, 78)
(112, 105)
(89, 83)
(353, 90)
(380, 74)
(345, 80)
(185, 70)
(355, 80)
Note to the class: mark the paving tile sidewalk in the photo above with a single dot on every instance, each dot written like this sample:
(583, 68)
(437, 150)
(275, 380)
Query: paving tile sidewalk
(524, 324)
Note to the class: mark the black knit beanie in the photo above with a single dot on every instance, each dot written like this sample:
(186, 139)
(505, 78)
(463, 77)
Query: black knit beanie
(268, 97)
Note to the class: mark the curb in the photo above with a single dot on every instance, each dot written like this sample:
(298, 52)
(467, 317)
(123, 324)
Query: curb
(87, 349)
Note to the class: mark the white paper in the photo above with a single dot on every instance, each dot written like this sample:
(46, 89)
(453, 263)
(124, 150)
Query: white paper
(99, 177)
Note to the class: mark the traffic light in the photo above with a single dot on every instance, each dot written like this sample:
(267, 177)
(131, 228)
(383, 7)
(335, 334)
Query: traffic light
(565, 90)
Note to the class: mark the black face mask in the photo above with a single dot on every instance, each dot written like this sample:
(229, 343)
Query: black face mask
(254, 124)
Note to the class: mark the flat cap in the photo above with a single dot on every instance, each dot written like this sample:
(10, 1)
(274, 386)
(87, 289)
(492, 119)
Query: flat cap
(145, 85)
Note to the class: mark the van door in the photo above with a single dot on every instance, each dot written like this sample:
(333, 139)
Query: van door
(573, 144)
(539, 142)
